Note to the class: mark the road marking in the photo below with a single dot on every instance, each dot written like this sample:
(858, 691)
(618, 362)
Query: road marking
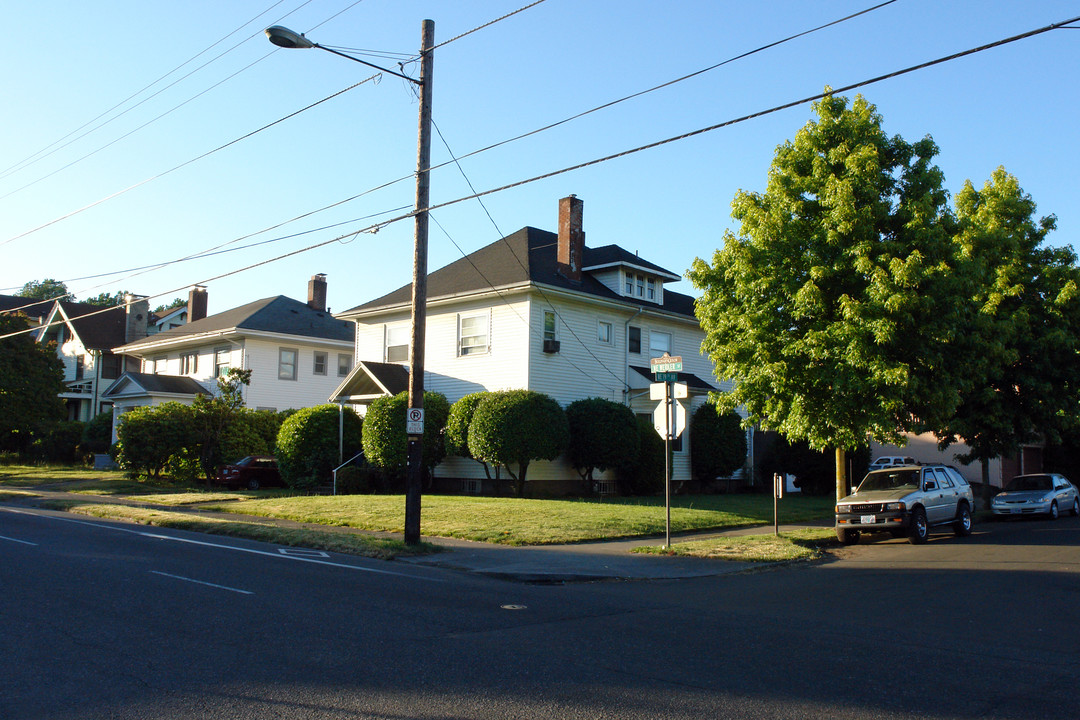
(24, 542)
(191, 541)
(303, 552)
(200, 582)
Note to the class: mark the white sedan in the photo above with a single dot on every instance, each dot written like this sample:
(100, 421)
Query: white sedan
(1040, 494)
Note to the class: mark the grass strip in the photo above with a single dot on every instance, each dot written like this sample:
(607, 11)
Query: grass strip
(808, 544)
(342, 542)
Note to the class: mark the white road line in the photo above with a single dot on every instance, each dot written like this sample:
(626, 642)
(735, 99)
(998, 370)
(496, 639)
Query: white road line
(190, 541)
(24, 542)
(200, 582)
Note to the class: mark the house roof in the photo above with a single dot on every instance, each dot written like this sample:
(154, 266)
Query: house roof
(137, 383)
(278, 314)
(693, 382)
(96, 329)
(528, 256)
(26, 306)
(369, 380)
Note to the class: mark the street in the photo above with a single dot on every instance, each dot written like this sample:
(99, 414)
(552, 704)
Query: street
(109, 620)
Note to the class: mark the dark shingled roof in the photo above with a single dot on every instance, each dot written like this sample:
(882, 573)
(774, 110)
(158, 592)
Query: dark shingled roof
(26, 306)
(102, 331)
(277, 314)
(527, 256)
(164, 383)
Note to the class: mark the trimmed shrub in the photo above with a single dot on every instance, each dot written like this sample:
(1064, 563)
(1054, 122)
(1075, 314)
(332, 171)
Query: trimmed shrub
(307, 444)
(354, 480)
(385, 441)
(515, 427)
(59, 442)
(645, 475)
(149, 436)
(97, 434)
(717, 443)
(603, 434)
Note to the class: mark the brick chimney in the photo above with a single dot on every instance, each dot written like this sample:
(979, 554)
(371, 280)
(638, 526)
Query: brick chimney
(136, 313)
(196, 303)
(571, 239)
(316, 292)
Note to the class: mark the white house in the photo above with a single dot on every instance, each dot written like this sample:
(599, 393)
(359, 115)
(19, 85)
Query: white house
(297, 354)
(540, 311)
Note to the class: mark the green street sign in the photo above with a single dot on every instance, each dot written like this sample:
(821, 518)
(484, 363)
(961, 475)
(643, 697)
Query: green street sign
(666, 364)
(666, 376)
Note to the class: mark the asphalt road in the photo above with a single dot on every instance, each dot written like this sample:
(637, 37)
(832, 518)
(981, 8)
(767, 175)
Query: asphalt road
(106, 620)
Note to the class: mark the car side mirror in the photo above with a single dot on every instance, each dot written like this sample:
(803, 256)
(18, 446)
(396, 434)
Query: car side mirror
(930, 485)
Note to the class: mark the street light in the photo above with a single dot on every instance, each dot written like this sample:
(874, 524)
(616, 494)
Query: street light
(285, 38)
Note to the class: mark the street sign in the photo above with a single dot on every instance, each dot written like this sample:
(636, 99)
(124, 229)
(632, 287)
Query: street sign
(414, 421)
(678, 390)
(660, 421)
(662, 377)
(666, 364)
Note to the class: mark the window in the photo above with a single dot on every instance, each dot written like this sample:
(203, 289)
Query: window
(189, 363)
(159, 365)
(603, 332)
(634, 340)
(344, 364)
(472, 334)
(650, 289)
(629, 284)
(111, 366)
(287, 358)
(659, 343)
(221, 361)
(397, 343)
(80, 366)
(319, 365)
(640, 285)
(549, 325)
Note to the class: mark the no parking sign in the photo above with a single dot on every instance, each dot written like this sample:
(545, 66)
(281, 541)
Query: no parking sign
(414, 421)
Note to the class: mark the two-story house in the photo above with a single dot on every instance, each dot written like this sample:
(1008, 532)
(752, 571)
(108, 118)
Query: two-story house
(541, 311)
(297, 354)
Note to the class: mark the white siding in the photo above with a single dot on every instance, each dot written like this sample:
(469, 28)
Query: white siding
(309, 389)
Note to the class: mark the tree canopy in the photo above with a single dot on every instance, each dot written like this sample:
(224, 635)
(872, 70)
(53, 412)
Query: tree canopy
(31, 380)
(514, 427)
(47, 289)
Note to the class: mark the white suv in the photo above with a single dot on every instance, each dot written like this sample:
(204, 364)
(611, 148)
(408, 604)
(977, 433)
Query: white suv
(887, 461)
(906, 500)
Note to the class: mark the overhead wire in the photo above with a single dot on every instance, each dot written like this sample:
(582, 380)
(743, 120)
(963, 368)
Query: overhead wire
(817, 96)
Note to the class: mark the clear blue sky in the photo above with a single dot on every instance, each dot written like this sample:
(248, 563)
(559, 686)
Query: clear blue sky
(67, 64)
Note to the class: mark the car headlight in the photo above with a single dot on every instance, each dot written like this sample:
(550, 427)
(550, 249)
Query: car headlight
(895, 506)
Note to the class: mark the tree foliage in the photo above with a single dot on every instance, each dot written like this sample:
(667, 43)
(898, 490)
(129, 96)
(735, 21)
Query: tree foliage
(31, 380)
(456, 439)
(717, 443)
(514, 427)
(644, 474)
(213, 416)
(148, 437)
(844, 259)
(385, 440)
(47, 289)
(603, 434)
(106, 299)
(307, 444)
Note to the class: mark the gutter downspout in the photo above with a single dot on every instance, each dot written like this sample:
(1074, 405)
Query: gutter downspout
(626, 356)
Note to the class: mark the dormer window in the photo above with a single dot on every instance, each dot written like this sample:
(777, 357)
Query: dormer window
(650, 289)
(629, 284)
(641, 286)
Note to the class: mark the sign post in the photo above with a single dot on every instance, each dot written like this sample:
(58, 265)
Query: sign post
(666, 370)
(778, 492)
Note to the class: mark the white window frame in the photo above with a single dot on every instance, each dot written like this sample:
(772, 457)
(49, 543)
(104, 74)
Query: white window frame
(650, 289)
(392, 342)
(553, 333)
(628, 286)
(286, 369)
(189, 363)
(221, 369)
(630, 331)
(474, 348)
(320, 359)
(344, 364)
(641, 286)
(601, 326)
(654, 351)
(160, 365)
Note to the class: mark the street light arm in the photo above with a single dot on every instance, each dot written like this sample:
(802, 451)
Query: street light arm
(291, 40)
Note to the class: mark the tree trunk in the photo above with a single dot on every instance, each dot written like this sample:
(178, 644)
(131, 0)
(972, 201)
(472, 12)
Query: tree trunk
(985, 462)
(841, 475)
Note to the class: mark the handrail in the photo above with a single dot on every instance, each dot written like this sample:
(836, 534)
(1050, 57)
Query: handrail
(343, 465)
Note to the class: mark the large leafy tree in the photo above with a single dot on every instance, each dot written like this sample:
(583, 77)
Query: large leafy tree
(31, 380)
(1027, 328)
(514, 427)
(717, 443)
(107, 299)
(836, 307)
(47, 289)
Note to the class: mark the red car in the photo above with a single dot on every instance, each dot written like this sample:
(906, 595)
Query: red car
(253, 472)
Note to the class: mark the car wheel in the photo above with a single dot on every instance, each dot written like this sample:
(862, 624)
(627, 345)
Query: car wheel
(253, 484)
(847, 537)
(962, 525)
(1054, 510)
(919, 530)
(1076, 507)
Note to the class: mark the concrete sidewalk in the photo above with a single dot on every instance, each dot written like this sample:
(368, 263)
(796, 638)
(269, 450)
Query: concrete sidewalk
(578, 562)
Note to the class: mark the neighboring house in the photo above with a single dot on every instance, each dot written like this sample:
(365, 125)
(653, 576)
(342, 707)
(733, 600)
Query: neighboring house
(35, 310)
(86, 338)
(539, 311)
(297, 354)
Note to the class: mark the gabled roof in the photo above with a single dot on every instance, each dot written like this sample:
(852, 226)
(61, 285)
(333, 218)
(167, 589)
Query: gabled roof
(527, 257)
(137, 383)
(27, 306)
(369, 380)
(278, 314)
(97, 330)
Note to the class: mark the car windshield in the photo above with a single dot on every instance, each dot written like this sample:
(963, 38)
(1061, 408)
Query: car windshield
(246, 461)
(889, 480)
(1025, 483)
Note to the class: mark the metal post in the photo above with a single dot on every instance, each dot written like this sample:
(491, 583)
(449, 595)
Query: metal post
(668, 409)
(414, 468)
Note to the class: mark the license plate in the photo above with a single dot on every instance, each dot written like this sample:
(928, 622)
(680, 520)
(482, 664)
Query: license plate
(867, 519)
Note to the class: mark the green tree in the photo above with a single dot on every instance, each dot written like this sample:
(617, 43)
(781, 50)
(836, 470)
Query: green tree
(149, 437)
(97, 435)
(213, 416)
(308, 444)
(385, 441)
(514, 427)
(47, 289)
(1025, 357)
(603, 434)
(811, 310)
(717, 443)
(456, 438)
(176, 302)
(644, 475)
(107, 299)
(31, 380)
